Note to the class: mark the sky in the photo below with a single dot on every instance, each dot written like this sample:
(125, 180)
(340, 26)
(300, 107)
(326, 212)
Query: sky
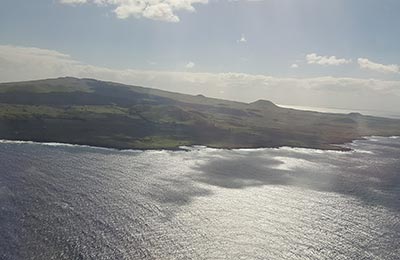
(326, 53)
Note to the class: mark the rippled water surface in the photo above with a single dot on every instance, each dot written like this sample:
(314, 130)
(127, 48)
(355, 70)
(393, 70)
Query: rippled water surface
(68, 202)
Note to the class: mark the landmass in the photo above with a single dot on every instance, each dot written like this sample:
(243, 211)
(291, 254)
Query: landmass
(107, 114)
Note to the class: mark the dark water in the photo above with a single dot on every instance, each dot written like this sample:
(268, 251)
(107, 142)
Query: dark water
(60, 202)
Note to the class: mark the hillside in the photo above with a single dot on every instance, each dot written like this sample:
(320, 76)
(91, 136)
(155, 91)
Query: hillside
(92, 112)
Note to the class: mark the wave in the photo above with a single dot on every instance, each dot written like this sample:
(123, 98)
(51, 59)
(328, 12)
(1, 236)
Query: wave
(56, 144)
(350, 145)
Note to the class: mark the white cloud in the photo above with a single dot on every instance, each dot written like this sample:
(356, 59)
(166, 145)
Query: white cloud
(313, 58)
(161, 10)
(190, 65)
(369, 65)
(25, 63)
(242, 39)
(294, 66)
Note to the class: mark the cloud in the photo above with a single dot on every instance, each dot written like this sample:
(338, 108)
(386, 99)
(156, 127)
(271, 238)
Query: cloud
(161, 10)
(294, 66)
(369, 65)
(242, 39)
(313, 58)
(26, 63)
(190, 65)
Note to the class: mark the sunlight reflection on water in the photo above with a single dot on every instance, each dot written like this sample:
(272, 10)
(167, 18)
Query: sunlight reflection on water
(71, 202)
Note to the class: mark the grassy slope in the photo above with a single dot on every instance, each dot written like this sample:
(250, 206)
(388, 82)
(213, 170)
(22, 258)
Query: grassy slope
(86, 111)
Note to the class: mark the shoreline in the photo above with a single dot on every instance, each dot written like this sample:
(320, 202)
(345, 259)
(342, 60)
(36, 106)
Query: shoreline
(340, 147)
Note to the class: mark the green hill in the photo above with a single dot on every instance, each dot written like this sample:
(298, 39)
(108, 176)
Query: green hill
(92, 112)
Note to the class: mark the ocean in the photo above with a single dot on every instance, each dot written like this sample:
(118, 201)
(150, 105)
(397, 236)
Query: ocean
(366, 112)
(74, 202)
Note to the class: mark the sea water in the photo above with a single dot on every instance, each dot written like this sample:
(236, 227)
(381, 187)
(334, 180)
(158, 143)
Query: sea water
(73, 202)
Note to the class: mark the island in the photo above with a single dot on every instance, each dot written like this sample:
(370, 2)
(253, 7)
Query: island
(107, 114)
